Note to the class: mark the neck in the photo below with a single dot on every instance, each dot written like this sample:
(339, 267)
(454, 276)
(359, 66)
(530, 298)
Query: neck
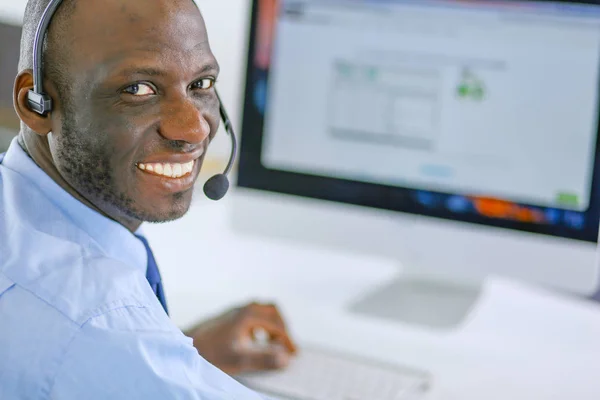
(38, 149)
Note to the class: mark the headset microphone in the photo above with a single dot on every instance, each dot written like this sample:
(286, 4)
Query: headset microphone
(215, 188)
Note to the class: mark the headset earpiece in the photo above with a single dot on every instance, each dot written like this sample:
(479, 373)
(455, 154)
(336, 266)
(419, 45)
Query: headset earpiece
(40, 103)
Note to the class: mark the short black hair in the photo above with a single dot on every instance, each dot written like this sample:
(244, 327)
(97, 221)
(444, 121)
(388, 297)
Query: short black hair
(55, 50)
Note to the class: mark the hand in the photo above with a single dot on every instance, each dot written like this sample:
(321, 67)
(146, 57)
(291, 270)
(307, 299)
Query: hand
(229, 343)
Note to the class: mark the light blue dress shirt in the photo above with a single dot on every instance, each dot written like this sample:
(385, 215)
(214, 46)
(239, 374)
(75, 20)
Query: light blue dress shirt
(78, 319)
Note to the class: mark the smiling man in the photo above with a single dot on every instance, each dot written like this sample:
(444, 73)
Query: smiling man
(82, 313)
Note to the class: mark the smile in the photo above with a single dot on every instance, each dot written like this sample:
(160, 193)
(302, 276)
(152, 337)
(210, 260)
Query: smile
(168, 170)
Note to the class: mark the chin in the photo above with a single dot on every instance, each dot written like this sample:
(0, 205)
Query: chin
(174, 209)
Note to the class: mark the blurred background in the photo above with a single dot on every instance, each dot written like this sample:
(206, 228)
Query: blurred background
(9, 123)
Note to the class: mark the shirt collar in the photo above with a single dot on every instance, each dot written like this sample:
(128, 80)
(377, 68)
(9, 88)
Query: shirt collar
(116, 240)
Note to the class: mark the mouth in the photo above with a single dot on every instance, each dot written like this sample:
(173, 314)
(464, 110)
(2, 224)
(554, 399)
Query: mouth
(168, 170)
(171, 173)
(171, 166)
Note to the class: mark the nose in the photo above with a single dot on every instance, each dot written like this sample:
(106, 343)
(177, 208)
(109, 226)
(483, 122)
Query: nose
(183, 121)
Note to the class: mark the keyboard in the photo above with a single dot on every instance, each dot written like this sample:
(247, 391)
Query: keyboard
(320, 375)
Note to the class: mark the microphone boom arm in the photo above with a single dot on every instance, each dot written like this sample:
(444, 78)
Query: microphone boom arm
(229, 129)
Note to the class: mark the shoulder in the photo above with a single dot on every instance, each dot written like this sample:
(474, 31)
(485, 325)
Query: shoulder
(42, 318)
(136, 353)
(60, 264)
(79, 286)
(42, 322)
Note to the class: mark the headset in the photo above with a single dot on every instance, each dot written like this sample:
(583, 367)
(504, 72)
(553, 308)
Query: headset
(215, 188)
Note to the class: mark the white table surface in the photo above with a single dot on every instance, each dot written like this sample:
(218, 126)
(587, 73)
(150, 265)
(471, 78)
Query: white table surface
(520, 342)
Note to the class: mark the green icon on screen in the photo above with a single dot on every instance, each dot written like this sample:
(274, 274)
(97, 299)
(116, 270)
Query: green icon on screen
(372, 73)
(470, 86)
(344, 68)
(567, 199)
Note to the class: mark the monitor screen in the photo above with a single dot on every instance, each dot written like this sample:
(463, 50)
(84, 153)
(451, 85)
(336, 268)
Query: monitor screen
(484, 112)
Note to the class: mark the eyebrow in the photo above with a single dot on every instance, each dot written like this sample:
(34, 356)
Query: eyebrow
(155, 72)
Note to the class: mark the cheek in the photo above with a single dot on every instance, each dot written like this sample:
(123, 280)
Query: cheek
(124, 132)
(119, 140)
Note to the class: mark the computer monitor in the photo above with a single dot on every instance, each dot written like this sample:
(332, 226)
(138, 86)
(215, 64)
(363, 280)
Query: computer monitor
(458, 136)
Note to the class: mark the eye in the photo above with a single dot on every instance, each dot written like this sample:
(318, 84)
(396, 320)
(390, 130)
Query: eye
(204, 84)
(139, 89)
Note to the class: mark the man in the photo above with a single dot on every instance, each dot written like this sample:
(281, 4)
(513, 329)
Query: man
(134, 111)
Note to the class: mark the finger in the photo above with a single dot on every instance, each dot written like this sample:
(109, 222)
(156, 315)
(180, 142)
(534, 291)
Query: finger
(252, 360)
(267, 311)
(275, 332)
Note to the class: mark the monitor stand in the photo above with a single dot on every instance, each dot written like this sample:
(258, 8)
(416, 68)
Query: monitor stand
(422, 301)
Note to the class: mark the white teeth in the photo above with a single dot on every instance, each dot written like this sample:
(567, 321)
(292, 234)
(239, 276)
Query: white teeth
(170, 170)
(177, 170)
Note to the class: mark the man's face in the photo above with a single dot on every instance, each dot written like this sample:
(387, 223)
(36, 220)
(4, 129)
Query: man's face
(132, 130)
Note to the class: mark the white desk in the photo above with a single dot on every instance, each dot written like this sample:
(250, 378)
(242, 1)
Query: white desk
(520, 343)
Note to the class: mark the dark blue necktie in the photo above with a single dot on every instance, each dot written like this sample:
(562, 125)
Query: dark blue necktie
(153, 275)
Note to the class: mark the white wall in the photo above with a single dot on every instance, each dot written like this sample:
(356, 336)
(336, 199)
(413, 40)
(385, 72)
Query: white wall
(11, 11)
(227, 22)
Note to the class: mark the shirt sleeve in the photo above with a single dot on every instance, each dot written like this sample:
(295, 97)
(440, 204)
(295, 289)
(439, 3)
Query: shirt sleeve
(136, 353)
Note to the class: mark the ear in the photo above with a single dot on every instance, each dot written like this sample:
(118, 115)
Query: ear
(40, 124)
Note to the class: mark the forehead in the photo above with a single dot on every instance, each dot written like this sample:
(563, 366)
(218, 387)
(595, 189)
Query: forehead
(104, 34)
